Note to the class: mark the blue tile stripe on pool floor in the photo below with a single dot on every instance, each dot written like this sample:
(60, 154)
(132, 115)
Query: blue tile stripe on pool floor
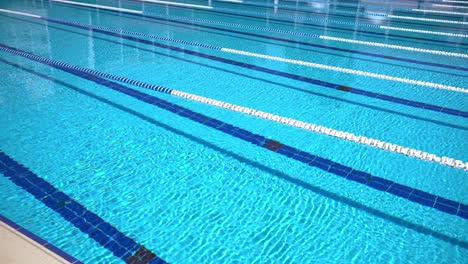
(95, 227)
(38, 240)
(411, 194)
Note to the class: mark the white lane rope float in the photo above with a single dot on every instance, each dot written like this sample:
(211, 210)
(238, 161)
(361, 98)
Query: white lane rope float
(450, 6)
(439, 12)
(455, 1)
(410, 152)
(175, 4)
(428, 19)
(268, 57)
(398, 47)
(99, 6)
(425, 31)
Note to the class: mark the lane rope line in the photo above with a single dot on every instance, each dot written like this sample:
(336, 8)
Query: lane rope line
(350, 71)
(99, 6)
(398, 47)
(428, 19)
(273, 58)
(450, 6)
(454, 1)
(176, 4)
(232, 1)
(439, 12)
(336, 12)
(358, 42)
(410, 152)
(424, 31)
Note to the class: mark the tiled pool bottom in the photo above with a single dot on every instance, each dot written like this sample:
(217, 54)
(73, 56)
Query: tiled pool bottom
(20, 246)
(99, 230)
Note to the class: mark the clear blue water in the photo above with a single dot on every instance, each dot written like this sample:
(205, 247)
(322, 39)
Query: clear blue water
(192, 194)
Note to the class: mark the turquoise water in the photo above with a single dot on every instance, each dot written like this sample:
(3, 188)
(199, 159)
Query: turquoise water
(192, 194)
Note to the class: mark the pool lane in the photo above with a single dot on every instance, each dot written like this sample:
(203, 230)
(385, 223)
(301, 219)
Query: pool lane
(377, 183)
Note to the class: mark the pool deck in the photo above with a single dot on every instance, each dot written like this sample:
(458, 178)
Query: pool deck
(19, 246)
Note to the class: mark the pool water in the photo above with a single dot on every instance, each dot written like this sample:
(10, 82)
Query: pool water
(192, 193)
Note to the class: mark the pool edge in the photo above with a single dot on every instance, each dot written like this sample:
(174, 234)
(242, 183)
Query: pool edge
(29, 238)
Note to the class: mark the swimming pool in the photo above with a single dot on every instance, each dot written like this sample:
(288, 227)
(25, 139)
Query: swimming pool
(229, 132)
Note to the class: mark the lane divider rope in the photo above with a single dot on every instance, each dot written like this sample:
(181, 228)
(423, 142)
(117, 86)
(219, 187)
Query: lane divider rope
(99, 6)
(425, 31)
(410, 152)
(274, 58)
(174, 4)
(454, 1)
(450, 6)
(428, 19)
(336, 12)
(440, 12)
(398, 47)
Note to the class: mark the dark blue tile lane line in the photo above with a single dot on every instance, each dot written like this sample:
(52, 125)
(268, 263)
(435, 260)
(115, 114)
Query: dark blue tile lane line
(375, 55)
(325, 84)
(95, 227)
(411, 194)
(39, 240)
